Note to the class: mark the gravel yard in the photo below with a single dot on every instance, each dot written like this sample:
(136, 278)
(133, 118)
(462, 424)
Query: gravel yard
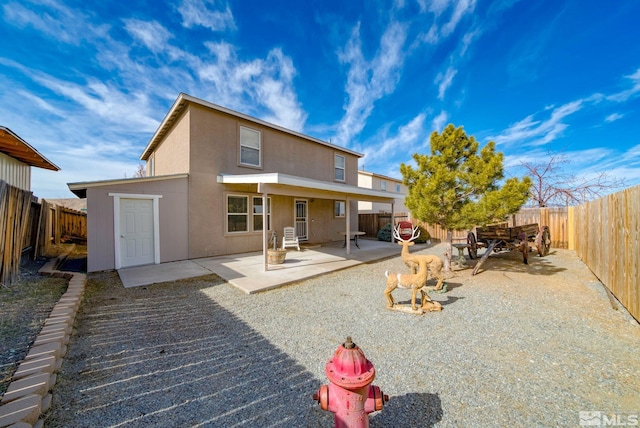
(516, 345)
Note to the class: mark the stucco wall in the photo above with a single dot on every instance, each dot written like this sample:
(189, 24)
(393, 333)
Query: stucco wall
(172, 155)
(374, 181)
(214, 150)
(173, 218)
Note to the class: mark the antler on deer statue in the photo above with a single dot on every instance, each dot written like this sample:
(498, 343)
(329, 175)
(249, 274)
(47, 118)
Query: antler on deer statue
(414, 236)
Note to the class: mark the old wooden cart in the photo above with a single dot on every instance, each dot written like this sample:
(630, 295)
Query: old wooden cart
(502, 238)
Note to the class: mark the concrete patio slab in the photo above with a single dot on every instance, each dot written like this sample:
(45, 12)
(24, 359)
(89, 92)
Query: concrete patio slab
(152, 274)
(246, 271)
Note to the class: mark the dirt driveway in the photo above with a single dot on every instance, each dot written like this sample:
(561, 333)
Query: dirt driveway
(515, 345)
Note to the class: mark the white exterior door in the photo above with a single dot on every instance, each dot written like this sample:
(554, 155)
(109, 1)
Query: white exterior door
(136, 232)
(302, 226)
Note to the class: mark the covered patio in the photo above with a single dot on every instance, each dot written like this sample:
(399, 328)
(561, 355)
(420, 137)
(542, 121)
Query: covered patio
(287, 185)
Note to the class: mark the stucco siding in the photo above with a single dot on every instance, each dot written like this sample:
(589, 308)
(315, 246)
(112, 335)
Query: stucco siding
(173, 220)
(374, 181)
(214, 138)
(215, 149)
(173, 155)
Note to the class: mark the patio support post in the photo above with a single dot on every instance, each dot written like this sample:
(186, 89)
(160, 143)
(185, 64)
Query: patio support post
(347, 237)
(265, 231)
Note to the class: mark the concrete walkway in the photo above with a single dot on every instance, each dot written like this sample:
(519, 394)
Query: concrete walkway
(246, 271)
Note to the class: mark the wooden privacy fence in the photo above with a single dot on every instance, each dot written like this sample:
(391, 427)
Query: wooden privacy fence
(15, 209)
(605, 234)
(555, 218)
(29, 227)
(370, 224)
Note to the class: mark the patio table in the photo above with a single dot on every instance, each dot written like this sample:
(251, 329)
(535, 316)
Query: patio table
(353, 237)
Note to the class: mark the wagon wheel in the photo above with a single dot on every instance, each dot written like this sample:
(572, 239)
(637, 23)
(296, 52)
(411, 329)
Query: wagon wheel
(473, 245)
(546, 240)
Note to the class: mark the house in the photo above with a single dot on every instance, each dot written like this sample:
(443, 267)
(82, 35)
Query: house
(371, 180)
(221, 182)
(16, 159)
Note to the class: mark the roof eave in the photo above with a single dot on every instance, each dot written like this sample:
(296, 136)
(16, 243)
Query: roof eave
(30, 155)
(183, 99)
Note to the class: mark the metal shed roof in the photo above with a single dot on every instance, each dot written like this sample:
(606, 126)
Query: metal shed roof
(12, 145)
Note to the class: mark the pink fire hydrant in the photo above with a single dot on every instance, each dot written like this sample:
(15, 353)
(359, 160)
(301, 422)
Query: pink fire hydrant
(350, 395)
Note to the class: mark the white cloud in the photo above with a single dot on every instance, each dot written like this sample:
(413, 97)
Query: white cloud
(106, 101)
(54, 20)
(404, 140)
(536, 132)
(438, 122)
(613, 117)
(458, 8)
(368, 81)
(263, 88)
(628, 93)
(444, 81)
(462, 7)
(198, 13)
(151, 34)
(530, 132)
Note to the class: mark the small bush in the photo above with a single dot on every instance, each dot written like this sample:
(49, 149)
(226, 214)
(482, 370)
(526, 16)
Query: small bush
(384, 234)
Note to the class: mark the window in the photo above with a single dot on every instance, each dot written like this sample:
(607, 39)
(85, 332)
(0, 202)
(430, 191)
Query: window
(246, 213)
(237, 213)
(339, 167)
(250, 145)
(397, 188)
(383, 185)
(258, 214)
(339, 208)
(151, 167)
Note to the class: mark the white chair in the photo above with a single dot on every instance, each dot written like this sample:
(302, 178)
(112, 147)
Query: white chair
(289, 239)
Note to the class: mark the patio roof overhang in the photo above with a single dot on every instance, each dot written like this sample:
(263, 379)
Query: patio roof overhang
(290, 185)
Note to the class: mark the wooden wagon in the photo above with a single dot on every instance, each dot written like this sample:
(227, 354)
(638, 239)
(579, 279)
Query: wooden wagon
(501, 238)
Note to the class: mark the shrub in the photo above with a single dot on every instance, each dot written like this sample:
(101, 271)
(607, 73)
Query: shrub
(384, 234)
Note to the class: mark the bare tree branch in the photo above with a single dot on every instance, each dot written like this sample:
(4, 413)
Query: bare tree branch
(552, 186)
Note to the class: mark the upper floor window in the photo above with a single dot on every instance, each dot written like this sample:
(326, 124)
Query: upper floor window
(339, 167)
(250, 147)
(397, 188)
(383, 185)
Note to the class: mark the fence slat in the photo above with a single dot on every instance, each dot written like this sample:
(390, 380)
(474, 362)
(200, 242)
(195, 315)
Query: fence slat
(27, 224)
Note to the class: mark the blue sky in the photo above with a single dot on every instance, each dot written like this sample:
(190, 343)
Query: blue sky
(87, 83)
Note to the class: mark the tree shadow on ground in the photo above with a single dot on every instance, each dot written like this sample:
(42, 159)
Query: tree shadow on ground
(511, 261)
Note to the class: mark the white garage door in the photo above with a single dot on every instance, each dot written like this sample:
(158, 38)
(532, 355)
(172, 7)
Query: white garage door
(136, 232)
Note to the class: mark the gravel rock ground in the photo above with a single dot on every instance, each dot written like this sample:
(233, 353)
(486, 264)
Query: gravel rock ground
(515, 345)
